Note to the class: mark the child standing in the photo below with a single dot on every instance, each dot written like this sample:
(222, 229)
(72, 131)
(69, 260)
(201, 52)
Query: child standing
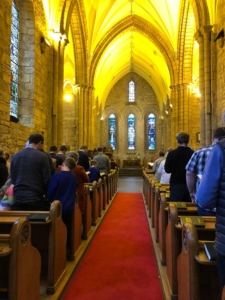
(93, 171)
(6, 195)
(63, 187)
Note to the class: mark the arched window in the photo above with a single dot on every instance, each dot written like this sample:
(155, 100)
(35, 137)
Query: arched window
(112, 131)
(131, 134)
(151, 138)
(14, 64)
(131, 91)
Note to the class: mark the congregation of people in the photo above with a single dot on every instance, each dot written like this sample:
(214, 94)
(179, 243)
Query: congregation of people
(36, 178)
(198, 177)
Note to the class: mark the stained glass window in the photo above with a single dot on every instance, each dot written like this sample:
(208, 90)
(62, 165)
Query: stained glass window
(131, 91)
(112, 131)
(14, 66)
(131, 132)
(151, 132)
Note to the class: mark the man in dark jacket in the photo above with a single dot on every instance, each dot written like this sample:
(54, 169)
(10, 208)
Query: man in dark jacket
(30, 174)
(210, 194)
(3, 169)
(83, 158)
(175, 164)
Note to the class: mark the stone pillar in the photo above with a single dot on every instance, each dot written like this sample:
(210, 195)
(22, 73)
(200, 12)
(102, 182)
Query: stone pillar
(56, 51)
(207, 76)
(200, 40)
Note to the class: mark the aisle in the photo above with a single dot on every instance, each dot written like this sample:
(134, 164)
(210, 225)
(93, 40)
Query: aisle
(120, 262)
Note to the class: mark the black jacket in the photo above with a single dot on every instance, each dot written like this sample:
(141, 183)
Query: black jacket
(83, 160)
(3, 171)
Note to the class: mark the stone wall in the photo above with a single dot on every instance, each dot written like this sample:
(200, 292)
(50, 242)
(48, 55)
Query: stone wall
(35, 78)
(145, 103)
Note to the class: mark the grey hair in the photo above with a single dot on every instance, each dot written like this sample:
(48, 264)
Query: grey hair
(73, 155)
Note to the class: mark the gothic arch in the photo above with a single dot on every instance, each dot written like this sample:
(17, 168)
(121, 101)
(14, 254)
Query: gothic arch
(145, 28)
(111, 110)
(201, 13)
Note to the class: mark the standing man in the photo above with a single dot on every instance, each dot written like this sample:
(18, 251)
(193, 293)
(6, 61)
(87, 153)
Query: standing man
(195, 167)
(62, 153)
(30, 174)
(83, 158)
(175, 164)
(211, 194)
(157, 163)
(103, 161)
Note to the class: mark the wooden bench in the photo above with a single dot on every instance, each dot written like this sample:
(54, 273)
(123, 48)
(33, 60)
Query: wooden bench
(197, 276)
(87, 217)
(75, 233)
(49, 238)
(100, 196)
(163, 221)
(153, 184)
(105, 192)
(20, 263)
(163, 188)
(95, 202)
(174, 243)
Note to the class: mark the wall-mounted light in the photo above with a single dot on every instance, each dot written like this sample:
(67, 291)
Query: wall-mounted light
(166, 111)
(68, 97)
(43, 44)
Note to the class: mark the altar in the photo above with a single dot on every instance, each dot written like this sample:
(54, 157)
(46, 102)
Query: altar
(131, 163)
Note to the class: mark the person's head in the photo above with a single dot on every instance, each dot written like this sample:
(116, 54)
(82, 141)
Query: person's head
(63, 149)
(94, 163)
(99, 149)
(218, 134)
(7, 156)
(161, 153)
(84, 148)
(73, 155)
(53, 149)
(2, 153)
(182, 138)
(36, 140)
(70, 163)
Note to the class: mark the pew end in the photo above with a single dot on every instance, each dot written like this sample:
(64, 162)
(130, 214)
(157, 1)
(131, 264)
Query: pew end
(197, 276)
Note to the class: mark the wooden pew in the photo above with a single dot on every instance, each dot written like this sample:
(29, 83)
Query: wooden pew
(87, 217)
(20, 263)
(153, 184)
(105, 192)
(163, 188)
(100, 196)
(174, 242)
(163, 221)
(197, 276)
(109, 187)
(95, 202)
(75, 233)
(49, 238)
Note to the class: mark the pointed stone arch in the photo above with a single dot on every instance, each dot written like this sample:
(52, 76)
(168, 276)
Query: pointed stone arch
(144, 27)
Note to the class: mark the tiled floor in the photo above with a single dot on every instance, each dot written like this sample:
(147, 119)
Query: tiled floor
(130, 184)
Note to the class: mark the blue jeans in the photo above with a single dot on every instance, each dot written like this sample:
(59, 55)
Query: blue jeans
(30, 200)
(204, 212)
(221, 270)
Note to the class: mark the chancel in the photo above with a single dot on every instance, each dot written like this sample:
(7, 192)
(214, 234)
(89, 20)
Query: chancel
(126, 76)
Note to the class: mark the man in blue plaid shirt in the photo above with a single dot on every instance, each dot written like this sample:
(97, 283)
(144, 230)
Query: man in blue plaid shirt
(195, 168)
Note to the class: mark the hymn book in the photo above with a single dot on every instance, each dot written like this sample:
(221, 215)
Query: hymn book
(180, 205)
(210, 251)
(195, 220)
(38, 217)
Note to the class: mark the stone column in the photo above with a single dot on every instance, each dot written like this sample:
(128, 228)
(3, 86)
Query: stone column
(56, 50)
(207, 76)
(200, 40)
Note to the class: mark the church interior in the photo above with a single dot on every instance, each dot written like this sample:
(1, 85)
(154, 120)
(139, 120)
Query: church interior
(123, 74)
(69, 69)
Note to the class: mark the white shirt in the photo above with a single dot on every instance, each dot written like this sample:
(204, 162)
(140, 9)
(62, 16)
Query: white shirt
(164, 177)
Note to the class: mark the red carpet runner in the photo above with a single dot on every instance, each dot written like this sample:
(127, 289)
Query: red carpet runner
(120, 262)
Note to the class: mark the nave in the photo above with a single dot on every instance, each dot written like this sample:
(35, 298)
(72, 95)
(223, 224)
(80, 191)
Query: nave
(114, 265)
